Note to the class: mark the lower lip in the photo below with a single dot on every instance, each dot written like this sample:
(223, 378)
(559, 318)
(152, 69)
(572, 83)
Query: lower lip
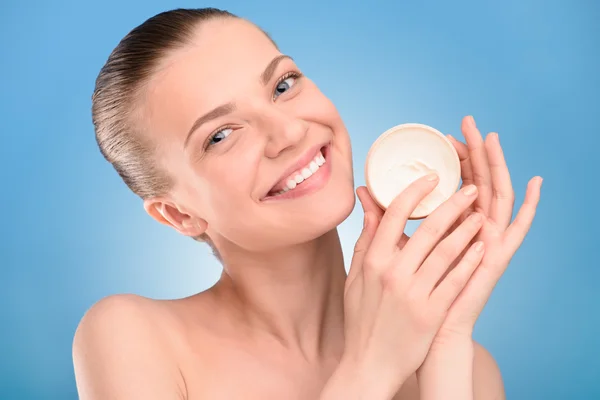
(313, 184)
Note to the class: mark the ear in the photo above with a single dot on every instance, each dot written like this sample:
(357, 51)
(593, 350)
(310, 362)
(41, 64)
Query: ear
(170, 214)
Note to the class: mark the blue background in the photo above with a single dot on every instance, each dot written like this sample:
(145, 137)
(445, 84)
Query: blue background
(72, 232)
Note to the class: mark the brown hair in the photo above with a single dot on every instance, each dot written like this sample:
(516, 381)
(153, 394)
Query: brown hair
(118, 88)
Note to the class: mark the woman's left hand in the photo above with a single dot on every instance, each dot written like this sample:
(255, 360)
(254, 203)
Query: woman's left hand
(483, 164)
(448, 370)
(448, 367)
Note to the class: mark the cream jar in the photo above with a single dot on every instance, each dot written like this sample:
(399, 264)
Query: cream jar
(405, 153)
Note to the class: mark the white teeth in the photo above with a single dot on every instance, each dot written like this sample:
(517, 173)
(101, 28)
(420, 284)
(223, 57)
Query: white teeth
(304, 174)
(291, 184)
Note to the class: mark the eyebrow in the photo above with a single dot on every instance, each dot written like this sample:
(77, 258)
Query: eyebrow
(227, 108)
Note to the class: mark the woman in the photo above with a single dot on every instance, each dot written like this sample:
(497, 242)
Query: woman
(227, 142)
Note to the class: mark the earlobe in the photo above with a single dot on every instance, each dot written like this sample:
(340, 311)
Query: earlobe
(193, 227)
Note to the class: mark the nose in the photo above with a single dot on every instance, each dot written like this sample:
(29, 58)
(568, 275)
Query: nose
(282, 130)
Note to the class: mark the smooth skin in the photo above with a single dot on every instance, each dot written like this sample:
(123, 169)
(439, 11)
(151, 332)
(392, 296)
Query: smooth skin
(284, 321)
(393, 299)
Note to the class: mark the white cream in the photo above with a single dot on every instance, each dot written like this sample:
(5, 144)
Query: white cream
(405, 153)
(298, 177)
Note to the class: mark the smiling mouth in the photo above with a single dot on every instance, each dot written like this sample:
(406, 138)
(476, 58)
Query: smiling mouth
(302, 177)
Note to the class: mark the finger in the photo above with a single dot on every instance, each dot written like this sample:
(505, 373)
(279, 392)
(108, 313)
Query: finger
(479, 164)
(503, 196)
(431, 230)
(465, 162)
(453, 284)
(365, 284)
(515, 234)
(369, 204)
(361, 247)
(393, 222)
(466, 172)
(440, 259)
(485, 278)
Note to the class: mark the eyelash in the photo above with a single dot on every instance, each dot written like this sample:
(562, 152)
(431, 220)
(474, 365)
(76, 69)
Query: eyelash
(287, 75)
(290, 74)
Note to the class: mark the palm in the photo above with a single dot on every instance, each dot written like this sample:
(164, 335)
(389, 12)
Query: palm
(483, 164)
(490, 233)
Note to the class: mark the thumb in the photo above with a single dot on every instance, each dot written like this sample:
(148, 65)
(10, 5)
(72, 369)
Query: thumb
(361, 247)
(368, 203)
(373, 215)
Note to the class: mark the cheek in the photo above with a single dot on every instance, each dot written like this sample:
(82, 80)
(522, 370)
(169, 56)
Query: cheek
(227, 187)
(315, 106)
(324, 112)
(232, 178)
(318, 108)
(308, 103)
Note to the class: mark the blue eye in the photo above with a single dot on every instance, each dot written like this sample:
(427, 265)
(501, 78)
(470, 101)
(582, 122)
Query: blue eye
(284, 85)
(219, 136)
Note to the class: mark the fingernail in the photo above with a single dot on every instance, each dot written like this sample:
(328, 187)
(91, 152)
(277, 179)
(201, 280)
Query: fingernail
(479, 247)
(470, 190)
(365, 221)
(495, 136)
(432, 177)
(450, 137)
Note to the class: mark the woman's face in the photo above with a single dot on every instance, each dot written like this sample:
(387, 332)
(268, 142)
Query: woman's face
(235, 122)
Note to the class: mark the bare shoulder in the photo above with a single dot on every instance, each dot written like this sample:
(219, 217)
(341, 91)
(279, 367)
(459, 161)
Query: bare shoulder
(121, 349)
(487, 378)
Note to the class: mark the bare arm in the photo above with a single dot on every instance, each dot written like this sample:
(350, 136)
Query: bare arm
(464, 370)
(351, 382)
(448, 374)
(119, 353)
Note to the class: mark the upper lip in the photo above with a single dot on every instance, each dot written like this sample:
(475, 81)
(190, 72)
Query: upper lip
(299, 163)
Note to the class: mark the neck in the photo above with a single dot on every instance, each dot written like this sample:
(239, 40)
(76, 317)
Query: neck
(294, 295)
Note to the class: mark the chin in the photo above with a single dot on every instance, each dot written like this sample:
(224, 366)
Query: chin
(338, 205)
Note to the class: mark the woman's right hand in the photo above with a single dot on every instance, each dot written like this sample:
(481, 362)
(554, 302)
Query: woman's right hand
(394, 300)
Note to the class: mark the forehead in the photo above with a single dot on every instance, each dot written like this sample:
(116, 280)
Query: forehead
(225, 59)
